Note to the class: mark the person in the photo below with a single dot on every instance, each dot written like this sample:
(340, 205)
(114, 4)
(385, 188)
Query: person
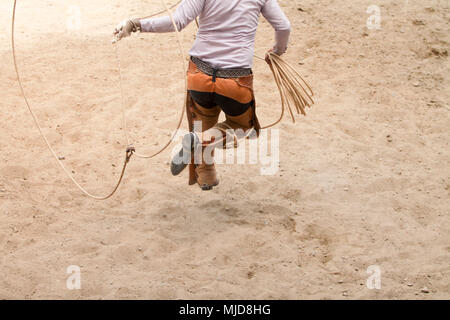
(219, 75)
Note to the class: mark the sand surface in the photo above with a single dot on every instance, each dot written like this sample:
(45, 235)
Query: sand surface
(364, 179)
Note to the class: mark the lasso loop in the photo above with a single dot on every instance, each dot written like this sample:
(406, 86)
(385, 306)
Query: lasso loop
(292, 87)
(129, 152)
(180, 121)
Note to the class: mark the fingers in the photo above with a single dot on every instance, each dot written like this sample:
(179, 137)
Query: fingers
(124, 29)
(268, 56)
(120, 31)
(121, 34)
(119, 27)
(117, 37)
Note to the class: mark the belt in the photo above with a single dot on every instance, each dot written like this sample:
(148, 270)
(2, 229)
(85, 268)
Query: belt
(220, 73)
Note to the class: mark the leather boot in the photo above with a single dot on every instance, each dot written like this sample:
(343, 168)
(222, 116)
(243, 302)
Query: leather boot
(232, 124)
(243, 121)
(205, 171)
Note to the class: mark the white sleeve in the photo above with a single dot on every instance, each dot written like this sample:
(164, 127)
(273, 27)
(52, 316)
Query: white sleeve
(276, 17)
(186, 12)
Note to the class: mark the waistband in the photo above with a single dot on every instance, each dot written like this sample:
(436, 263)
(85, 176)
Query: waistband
(220, 73)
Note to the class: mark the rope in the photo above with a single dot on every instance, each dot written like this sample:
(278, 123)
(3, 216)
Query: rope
(294, 90)
(128, 153)
(180, 121)
(162, 11)
(289, 82)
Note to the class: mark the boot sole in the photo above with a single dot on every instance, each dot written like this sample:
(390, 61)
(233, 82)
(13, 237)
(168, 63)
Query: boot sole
(181, 160)
(177, 164)
(207, 187)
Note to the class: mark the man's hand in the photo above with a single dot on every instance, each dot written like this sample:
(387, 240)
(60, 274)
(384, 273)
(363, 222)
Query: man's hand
(126, 28)
(267, 57)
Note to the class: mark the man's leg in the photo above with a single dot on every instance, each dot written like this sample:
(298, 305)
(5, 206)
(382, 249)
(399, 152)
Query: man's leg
(205, 172)
(235, 98)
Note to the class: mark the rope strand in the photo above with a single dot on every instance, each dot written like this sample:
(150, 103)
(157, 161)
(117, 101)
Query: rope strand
(294, 90)
(180, 121)
(129, 152)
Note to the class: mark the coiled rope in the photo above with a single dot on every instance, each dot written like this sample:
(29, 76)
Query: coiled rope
(294, 90)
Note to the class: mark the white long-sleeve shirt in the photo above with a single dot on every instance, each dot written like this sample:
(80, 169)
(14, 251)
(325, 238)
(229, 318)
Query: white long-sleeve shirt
(226, 37)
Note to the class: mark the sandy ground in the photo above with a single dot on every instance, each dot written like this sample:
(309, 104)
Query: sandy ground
(364, 179)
